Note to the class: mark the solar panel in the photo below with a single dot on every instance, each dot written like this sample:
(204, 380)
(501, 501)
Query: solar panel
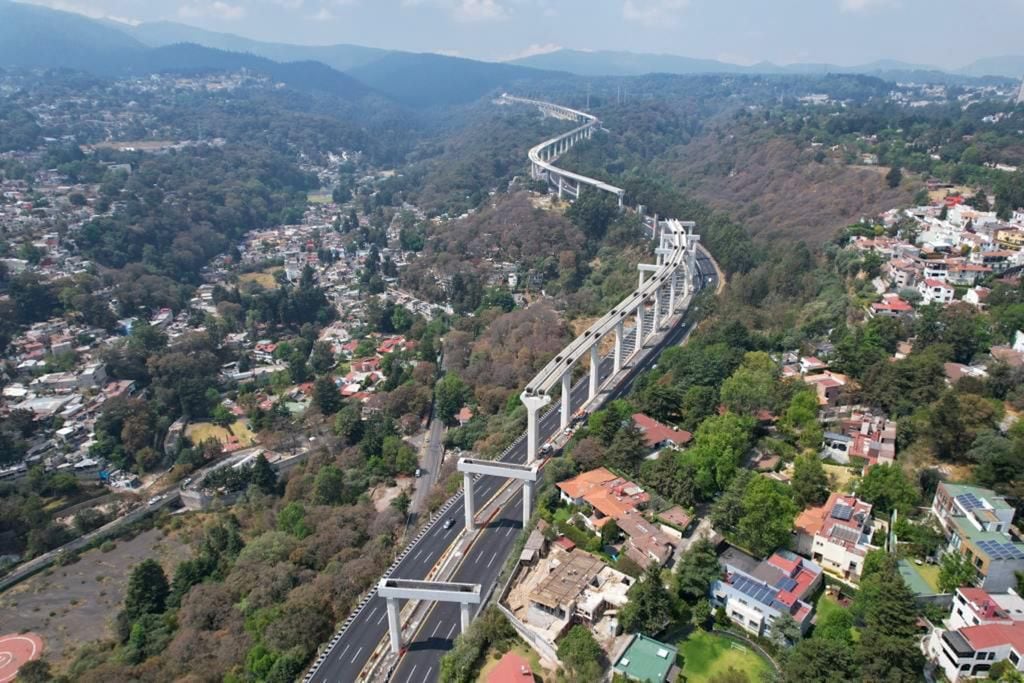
(845, 533)
(758, 591)
(969, 501)
(842, 511)
(1000, 550)
(787, 584)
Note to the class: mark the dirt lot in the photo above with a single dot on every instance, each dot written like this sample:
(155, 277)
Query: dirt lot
(69, 606)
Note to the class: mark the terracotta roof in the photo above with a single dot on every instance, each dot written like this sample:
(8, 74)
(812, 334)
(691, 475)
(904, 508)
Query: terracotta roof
(511, 669)
(657, 433)
(987, 636)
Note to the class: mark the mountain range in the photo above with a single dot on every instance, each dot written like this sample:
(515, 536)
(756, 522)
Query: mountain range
(35, 36)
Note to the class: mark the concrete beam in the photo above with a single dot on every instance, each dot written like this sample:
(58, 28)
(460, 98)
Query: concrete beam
(440, 591)
(497, 468)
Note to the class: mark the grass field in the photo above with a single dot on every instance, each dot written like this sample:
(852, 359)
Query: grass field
(319, 198)
(265, 278)
(197, 432)
(841, 475)
(706, 655)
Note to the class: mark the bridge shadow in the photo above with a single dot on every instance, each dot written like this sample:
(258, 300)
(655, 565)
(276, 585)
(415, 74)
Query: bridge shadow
(505, 523)
(432, 643)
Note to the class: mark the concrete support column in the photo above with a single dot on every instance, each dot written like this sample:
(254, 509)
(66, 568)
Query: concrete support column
(618, 349)
(640, 280)
(465, 615)
(657, 310)
(527, 502)
(639, 340)
(467, 495)
(566, 397)
(672, 293)
(533, 405)
(394, 625)
(561, 186)
(595, 366)
(620, 201)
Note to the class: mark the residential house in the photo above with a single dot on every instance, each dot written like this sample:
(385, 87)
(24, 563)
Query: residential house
(829, 386)
(837, 535)
(609, 495)
(935, 291)
(983, 628)
(977, 296)
(863, 435)
(976, 522)
(891, 306)
(660, 435)
(754, 593)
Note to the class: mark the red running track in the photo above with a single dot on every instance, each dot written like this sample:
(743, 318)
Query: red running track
(15, 650)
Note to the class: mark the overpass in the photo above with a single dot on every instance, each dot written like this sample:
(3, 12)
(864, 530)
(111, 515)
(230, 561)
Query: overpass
(665, 290)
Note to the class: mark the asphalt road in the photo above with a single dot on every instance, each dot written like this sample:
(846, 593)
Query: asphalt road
(421, 662)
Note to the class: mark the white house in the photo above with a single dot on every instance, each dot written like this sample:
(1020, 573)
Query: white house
(982, 629)
(935, 291)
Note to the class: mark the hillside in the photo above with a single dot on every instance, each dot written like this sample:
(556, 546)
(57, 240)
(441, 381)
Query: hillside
(776, 188)
(32, 36)
(429, 79)
(341, 57)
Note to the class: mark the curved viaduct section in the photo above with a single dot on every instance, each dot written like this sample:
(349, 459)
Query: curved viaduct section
(668, 290)
(665, 288)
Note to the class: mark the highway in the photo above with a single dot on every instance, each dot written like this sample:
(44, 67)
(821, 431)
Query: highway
(348, 653)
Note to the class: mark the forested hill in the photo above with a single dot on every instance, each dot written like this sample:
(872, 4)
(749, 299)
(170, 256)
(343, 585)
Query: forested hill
(32, 36)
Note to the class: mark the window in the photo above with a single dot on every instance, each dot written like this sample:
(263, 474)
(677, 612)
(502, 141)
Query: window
(1014, 659)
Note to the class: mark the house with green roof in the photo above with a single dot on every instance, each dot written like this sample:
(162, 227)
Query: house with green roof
(977, 523)
(647, 660)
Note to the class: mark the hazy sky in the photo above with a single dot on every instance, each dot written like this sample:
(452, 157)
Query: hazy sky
(940, 32)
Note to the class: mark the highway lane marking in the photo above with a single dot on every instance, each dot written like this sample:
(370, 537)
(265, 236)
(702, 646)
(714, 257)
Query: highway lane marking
(371, 613)
(429, 671)
(342, 653)
(381, 618)
(355, 656)
(493, 555)
(434, 633)
(510, 530)
(410, 678)
(417, 554)
(450, 632)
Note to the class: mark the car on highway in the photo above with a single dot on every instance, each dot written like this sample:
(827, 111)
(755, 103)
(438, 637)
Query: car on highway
(419, 473)
(154, 500)
(448, 523)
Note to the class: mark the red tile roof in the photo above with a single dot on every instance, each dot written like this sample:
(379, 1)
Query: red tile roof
(987, 636)
(657, 433)
(511, 669)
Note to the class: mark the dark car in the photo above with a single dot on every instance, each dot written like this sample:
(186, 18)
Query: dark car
(448, 523)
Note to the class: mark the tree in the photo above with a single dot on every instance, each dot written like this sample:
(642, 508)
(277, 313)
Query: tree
(894, 177)
(292, 520)
(401, 502)
(768, 513)
(649, 609)
(785, 632)
(609, 532)
(326, 396)
(263, 476)
(955, 571)
(580, 654)
(449, 396)
(835, 625)
(701, 614)
(810, 483)
(627, 449)
(35, 671)
(887, 649)
(147, 590)
(728, 510)
(888, 489)
(329, 485)
(698, 568)
(818, 660)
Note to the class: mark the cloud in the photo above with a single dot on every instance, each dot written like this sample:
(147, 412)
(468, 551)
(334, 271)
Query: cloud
(217, 9)
(654, 13)
(535, 49)
(861, 5)
(467, 11)
(479, 10)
